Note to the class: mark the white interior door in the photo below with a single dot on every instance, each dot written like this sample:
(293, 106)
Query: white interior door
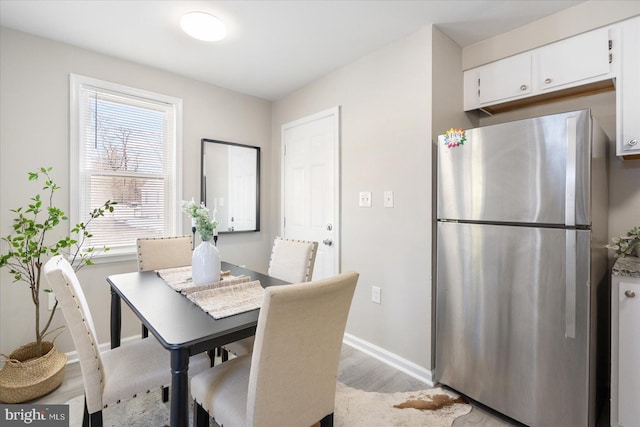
(311, 186)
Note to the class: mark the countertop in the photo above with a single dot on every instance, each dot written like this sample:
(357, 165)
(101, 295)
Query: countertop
(627, 267)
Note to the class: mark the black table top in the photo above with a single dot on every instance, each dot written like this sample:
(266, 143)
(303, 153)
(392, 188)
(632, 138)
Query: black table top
(175, 320)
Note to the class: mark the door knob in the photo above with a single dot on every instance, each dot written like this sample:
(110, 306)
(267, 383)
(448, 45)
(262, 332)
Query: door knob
(629, 294)
(632, 142)
(327, 242)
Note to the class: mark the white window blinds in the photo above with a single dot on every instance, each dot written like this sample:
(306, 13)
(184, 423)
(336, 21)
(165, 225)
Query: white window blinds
(126, 152)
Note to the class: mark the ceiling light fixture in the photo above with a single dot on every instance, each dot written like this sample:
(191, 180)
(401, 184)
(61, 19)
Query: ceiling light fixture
(203, 26)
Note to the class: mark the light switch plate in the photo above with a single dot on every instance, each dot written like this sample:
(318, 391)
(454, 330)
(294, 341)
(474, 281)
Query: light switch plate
(388, 199)
(376, 294)
(365, 199)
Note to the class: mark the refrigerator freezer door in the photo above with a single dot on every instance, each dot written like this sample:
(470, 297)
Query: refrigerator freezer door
(527, 171)
(512, 322)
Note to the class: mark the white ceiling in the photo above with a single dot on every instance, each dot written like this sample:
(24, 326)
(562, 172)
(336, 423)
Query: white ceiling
(273, 47)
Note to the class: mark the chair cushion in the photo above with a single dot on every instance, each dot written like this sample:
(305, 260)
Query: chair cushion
(164, 252)
(225, 400)
(242, 347)
(138, 367)
(292, 260)
(134, 368)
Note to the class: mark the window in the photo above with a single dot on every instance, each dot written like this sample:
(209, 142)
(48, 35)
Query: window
(125, 147)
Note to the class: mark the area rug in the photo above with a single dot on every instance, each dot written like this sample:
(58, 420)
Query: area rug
(429, 408)
(354, 408)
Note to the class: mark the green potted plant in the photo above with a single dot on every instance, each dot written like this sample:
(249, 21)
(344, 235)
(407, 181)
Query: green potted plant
(26, 250)
(628, 245)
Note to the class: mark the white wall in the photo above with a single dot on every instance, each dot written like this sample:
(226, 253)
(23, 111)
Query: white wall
(385, 102)
(34, 122)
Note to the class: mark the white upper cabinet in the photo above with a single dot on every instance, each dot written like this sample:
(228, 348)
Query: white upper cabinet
(583, 64)
(562, 65)
(511, 79)
(628, 89)
(573, 61)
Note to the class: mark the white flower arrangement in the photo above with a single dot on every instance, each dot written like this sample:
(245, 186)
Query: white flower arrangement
(201, 219)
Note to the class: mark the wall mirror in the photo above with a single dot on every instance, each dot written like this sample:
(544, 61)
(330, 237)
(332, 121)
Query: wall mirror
(230, 184)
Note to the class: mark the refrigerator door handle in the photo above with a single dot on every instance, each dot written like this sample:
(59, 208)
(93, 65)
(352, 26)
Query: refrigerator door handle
(570, 284)
(570, 177)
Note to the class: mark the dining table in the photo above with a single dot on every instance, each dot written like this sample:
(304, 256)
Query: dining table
(181, 326)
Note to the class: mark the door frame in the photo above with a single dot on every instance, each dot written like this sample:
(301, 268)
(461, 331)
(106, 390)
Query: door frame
(333, 112)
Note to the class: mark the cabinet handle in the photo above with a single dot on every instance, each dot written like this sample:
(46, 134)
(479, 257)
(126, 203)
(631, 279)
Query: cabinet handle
(629, 294)
(632, 142)
(523, 87)
(547, 81)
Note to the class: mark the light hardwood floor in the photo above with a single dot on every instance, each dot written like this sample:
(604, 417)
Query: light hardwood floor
(357, 370)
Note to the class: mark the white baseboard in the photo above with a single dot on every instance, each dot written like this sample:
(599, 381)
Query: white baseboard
(72, 356)
(391, 359)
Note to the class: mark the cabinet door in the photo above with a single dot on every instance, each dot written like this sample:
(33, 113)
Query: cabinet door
(471, 90)
(628, 353)
(628, 89)
(505, 79)
(573, 60)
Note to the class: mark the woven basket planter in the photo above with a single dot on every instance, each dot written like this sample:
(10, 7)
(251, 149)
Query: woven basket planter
(26, 377)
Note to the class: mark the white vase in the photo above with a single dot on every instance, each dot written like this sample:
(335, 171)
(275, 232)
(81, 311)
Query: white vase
(205, 263)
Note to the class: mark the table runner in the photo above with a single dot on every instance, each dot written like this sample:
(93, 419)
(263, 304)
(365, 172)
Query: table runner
(179, 279)
(228, 300)
(231, 295)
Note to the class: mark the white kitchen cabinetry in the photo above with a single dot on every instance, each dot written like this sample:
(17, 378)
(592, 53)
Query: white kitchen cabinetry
(576, 61)
(583, 64)
(499, 82)
(572, 61)
(625, 348)
(628, 89)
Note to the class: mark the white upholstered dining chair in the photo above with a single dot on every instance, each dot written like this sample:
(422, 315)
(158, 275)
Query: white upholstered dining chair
(286, 381)
(163, 252)
(291, 261)
(155, 253)
(114, 375)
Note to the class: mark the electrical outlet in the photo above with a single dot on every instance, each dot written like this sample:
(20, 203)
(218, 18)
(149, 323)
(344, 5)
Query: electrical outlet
(376, 294)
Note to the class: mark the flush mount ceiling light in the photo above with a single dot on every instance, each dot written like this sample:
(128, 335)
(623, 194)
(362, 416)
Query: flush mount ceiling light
(203, 26)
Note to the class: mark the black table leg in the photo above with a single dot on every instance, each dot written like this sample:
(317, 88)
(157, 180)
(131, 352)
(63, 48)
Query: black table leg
(179, 388)
(116, 320)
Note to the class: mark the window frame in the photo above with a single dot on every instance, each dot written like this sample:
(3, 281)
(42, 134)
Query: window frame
(76, 82)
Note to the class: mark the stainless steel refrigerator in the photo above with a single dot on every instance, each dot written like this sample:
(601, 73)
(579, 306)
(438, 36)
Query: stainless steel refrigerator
(521, 265)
